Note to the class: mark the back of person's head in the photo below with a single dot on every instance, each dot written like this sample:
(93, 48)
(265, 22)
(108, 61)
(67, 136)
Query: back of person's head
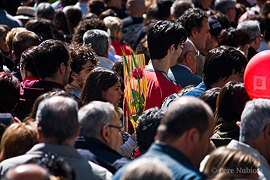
(56, 166)
(99, 40)
(41, 27)
(192, 18)
(49, 56)
(80, 55)
(222, 19)
(162, 36)
(231, 102)
(46, 11)
(233, 37)
(115, 25)
(94, 116)
(147, 126)
(17, 139)
(57, 119)
(54, 92)
(27, 62)
(85, 25)
(98, 81)
(224, 5)
(254, 119)
(147, 168)
(210, 97)
(61, 22)
(183, 114)
(252, 27)
(163, 9)
(9, 92)
(222, 62)
(11, 34)
(179, 7)
(23, 40)
(96, 6)
(235, 161)
(27, 171)
(74, 16)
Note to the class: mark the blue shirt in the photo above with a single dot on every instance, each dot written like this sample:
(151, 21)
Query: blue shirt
(177, 162)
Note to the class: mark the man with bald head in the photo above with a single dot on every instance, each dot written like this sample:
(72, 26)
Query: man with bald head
(27, 172)
(183, 72)
(183, 138)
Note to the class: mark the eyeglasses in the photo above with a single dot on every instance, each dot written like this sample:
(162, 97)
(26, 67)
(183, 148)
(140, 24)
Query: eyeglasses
(261, 36)
(117, 127)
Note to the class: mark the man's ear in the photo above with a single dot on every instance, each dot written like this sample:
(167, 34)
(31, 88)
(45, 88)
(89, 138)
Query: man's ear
(193, 136)
(267, 132)
(62, 68)
(105, 133)
(188, 57)
(194, 31)
(73, 75)
(14, 56)
(171, 49)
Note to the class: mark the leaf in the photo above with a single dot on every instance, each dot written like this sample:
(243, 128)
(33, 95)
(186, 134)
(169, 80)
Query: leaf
(142, 99)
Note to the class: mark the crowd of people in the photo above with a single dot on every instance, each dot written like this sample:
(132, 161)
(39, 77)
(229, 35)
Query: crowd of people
(63, 108)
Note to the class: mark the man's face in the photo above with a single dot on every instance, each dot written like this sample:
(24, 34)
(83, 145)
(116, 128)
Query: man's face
(201, 36)
(82, 75)
(115, 135)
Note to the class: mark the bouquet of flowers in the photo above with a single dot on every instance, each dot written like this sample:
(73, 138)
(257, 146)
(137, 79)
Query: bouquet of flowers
(135, 86)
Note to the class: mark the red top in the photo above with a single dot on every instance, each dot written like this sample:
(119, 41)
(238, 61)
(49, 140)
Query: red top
(159, 87)
(119, 46)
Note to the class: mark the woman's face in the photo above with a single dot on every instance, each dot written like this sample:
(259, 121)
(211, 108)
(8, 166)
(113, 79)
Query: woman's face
(3, 45)
(113, 94)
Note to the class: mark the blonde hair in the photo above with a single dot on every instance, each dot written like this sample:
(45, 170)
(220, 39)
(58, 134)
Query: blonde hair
(11, 34)
(232, 161)
(17, 139)
(115, 25)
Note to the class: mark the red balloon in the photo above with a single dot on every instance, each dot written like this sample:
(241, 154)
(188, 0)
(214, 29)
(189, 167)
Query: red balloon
(257, 76)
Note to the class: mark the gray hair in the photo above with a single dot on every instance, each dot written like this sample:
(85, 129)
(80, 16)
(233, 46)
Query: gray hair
(94, 116)
(255, 116)
(224, 5)
(252, 27)
(99, 40)
(188, 47)
(57, 118)
(179, 7)
(147, 168)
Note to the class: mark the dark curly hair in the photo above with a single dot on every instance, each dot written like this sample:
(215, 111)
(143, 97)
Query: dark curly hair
(191, 18)
(85, 25)
(147, 127)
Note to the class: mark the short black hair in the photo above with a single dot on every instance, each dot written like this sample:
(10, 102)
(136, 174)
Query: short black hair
(146, 130)
(192, 18)
(220, 63)
(49, 56)
(9, 92)
(162, 35)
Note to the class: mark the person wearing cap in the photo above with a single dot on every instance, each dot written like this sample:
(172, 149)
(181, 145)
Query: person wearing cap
(215, 29)
(227, 7)
(252, 27)
(24, 13)
(46, 11)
